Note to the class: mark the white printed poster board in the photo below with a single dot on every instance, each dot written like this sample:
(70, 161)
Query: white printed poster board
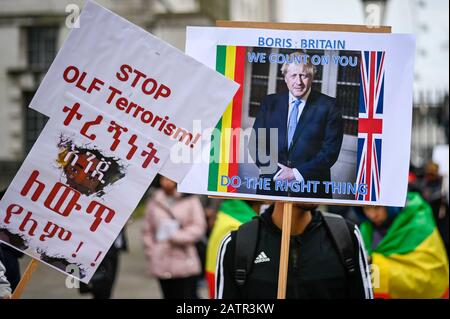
(77, 187)
(349, 142)
(119, 101)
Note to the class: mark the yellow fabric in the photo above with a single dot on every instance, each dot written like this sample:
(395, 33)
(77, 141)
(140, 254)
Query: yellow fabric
(422, 273)
(224, 224)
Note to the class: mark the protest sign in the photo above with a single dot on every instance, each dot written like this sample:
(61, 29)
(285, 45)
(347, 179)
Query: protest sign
(126, 72)
(351, 139)
(120, 101)
(77, 188)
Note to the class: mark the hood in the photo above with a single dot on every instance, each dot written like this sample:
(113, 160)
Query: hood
(237, 209)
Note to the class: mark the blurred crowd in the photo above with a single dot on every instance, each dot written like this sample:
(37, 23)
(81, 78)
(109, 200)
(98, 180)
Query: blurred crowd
(181, 234)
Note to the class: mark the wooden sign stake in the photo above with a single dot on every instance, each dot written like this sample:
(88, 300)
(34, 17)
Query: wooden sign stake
(284, 255)
(32, 266)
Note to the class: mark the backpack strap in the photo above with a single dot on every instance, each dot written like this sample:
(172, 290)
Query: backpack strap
(338, 229)
(246, 241)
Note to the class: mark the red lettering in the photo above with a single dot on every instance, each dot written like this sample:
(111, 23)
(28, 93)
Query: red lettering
(67, 71)
(146, 117)
(139, 75)
(80, 82)
(94, 86)
(121, 103)
(114, 91)
(87, 125)
(144, 86)
(163, 91)
(150, 156)
(163, 123)
(133, 146)
(25, 221)
(125, 69)
(149, 86)
(30, 182)
(156, 120)
(169, 129)
(73, 112)
(130, 107)
(117, 132)
(67, 191)
(51, 229)
(99, 209)
(138, 110)
(12, 209)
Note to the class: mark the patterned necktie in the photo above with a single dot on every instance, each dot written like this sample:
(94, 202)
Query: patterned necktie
(293, 121)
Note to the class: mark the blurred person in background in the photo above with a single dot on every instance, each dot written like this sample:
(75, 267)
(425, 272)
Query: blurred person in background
(10, 259)
(431, 187)
(406, 250)
(232, 213)
(5, 287)
(210, 207)
(172, 226)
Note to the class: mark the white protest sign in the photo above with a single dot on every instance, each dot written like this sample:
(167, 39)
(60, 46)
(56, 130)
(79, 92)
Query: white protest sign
(350, 141)
(77, 188)
(138, 79)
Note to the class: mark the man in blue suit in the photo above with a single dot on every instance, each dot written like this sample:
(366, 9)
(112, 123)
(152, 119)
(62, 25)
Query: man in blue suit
(310, 133)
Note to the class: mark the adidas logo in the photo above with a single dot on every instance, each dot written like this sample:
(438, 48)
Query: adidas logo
(262, 258)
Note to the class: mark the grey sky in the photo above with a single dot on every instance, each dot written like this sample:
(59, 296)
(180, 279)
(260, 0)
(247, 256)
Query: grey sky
(429, 22)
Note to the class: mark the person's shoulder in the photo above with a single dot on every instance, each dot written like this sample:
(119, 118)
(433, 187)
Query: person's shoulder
(191, 198)
(271, 98)
(351, 226)
(322, 98)
(157, 195)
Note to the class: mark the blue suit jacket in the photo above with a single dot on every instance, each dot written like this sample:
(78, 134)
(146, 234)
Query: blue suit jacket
(317, 139)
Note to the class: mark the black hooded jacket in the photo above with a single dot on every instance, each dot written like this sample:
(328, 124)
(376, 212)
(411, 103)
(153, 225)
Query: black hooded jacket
(315, 269)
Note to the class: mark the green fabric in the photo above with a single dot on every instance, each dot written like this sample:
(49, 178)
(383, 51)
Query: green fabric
(410, 227)
(237, 209)
(215, 138)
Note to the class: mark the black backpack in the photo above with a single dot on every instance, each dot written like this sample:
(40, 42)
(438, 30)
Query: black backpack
(247, 238)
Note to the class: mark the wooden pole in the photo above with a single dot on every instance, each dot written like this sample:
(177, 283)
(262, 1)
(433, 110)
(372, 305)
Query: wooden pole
(284, 255)
(32, 266)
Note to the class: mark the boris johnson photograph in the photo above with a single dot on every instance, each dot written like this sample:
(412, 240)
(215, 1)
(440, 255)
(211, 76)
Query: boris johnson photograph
(312, 98)
(300, 133)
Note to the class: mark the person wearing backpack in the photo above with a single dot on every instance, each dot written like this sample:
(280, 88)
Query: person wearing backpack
(406, 250)
(326, 257)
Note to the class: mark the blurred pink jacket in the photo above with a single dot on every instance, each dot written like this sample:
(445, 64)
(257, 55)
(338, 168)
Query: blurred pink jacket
(176, 257)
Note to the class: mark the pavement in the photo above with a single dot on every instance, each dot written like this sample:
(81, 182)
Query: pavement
(132, 281)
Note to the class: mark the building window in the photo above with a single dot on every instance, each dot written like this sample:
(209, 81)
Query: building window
(41, 51)
(42, 46)
(34, 122)
(347, 93)
(259, 82)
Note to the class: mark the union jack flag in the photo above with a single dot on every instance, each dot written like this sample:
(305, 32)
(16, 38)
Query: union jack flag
(370, 124)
